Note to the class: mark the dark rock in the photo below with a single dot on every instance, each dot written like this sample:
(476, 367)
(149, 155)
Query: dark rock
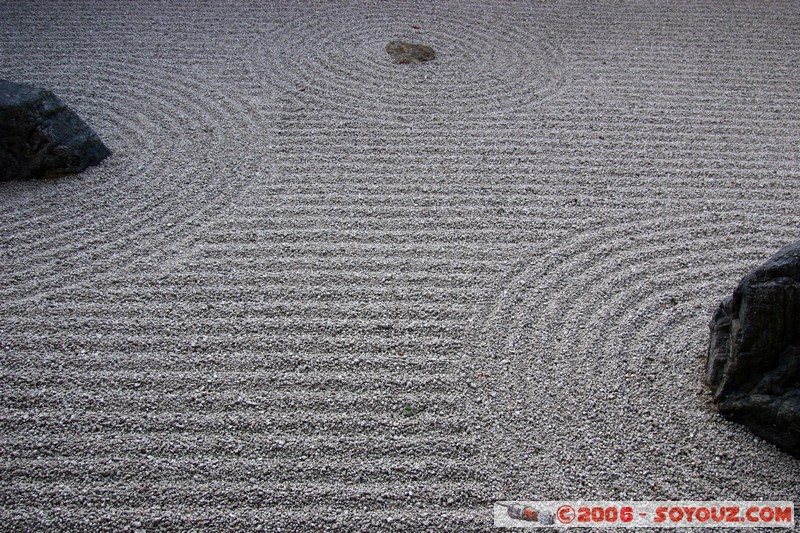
(41, 137)
(753, 364)
(403, 52)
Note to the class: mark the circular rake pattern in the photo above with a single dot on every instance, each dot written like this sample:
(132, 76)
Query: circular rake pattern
(486, 62)
(620, 272)
(144, 196)
(607, 327)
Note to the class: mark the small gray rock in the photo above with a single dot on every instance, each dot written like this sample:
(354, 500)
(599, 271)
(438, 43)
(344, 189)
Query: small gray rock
(753, 364)
(403, 52)
(41, 137)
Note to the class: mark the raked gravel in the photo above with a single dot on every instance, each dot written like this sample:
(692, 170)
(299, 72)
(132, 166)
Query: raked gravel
(313, 289)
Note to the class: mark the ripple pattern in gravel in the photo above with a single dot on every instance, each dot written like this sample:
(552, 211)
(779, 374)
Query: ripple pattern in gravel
(313, 289)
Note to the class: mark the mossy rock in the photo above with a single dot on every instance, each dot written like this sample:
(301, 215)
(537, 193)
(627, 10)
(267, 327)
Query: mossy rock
(403, 52)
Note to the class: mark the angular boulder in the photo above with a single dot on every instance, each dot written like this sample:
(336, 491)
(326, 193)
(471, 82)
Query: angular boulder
(41, 137)
(753, 365)
(403, 52)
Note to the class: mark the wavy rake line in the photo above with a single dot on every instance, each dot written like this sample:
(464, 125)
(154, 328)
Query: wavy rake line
(127, 399)
(77, 444)
(121, 87)
(259, 383)
(179, 102)
(628, 323)
(591, 265)
(631, 310)
(578, 254)
(281, 468)
(640, 335)
(275, 514)
(677, 293)
(296, 421)
(237, 360)
(343, 65)
(666, 282)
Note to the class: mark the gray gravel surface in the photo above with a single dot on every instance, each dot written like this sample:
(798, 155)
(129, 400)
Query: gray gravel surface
(313, 289)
